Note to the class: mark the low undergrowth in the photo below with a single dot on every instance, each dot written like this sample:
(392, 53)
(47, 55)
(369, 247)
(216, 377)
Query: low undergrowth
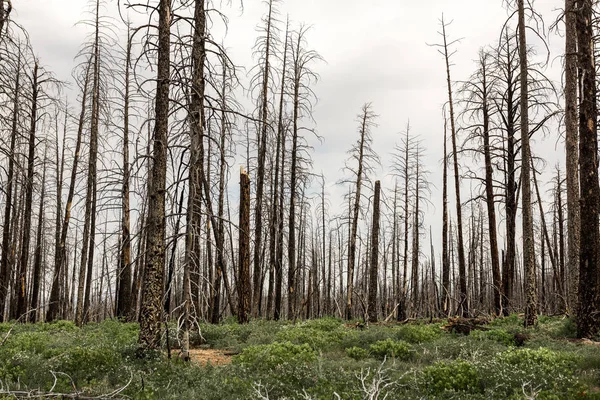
(317, 359)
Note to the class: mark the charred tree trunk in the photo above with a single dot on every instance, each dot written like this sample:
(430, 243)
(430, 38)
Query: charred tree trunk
(445, 255)
(21, 286)
(8, 247)
(60, 250)
(373, 280)
(531, 308)
(244, 289)
(152, 289)
(572, 152)
(462, 275)
(588, 314)
(124, 274)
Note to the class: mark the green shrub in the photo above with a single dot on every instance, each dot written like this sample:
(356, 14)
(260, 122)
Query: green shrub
(358, 353)
(497, 335)
(391, 348)
(319, 336)
(274, 356)
(326, 324)
(453, 376)
(515, 370)
(419, 333)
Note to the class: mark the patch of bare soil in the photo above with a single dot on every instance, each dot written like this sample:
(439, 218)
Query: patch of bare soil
(214, 357)
(584, 341)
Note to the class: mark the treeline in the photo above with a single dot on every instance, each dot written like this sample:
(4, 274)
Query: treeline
(122, 202)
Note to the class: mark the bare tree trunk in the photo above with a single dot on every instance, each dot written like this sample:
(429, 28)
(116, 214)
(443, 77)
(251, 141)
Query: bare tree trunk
(8, 247)
(445, 255)
(89, 227)
(292, 216)
(531, 308)
(60, 250)
(244, 290)
(21, 292)
(589, 252)
(37, 257)
(415, 243)
(260, 178)
(152, 289)
(572, 153)
(489, 192)
(365, 116)
(463, 306)
(124, 274)
(372, 305)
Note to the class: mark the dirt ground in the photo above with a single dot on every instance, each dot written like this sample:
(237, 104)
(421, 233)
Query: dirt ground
(205, 356)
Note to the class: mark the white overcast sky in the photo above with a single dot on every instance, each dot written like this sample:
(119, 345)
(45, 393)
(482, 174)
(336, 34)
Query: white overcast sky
(375, 51)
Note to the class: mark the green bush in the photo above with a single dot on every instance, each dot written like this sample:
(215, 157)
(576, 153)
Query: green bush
(542, 370)
(274, 356)
(452, 376)
(418, 333)
(497, 335)
(319, 336)
(391, 348)
(357, 353)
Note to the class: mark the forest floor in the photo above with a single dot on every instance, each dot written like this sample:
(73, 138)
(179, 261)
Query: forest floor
(316, 359)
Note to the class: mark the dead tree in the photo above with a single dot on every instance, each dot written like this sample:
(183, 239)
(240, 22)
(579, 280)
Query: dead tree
(447, 53)
(152, 290)
(572, 152)
(244, 289)
(373, 274)
(589, 251)
(60, 255)
(362, 153)
(531, 308)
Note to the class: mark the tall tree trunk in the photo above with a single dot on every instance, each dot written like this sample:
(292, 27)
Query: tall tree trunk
(244, 290)
(489, 193)
(21, 286)
(572, 153)
(462, 276)
(531, 308)
(373, 280)
(415, 242)
(60, 250)
(279, 187)
(124, 275)
(355, 211)
(512, 190)
(589, 255)
(220, 248)
(152, 289)
(260, 178)
(445, 255)
(89, 227)
(37, 255)
(8, 247)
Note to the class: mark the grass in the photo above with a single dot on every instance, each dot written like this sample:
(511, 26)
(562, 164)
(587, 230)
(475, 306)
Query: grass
(310, 360)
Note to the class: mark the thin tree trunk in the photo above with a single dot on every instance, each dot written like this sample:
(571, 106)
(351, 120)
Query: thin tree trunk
(260, 178)
(244, 290)
(373, 280)
(21, 292)
(531, 308)
(124, 275)
(8, 247)
(462, 306)
(37, 257)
